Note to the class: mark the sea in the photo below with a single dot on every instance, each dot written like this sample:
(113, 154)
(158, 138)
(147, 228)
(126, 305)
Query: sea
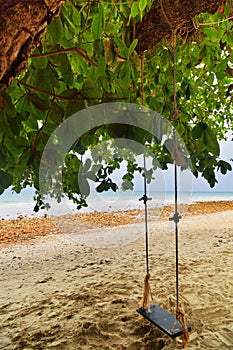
(14, 205)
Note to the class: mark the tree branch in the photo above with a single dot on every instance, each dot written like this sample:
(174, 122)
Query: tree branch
(22, 26)
(166, 16)
(81, 52)
(30, 87)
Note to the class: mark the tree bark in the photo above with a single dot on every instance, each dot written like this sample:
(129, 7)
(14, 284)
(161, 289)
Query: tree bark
(167, 16)
(22, 26)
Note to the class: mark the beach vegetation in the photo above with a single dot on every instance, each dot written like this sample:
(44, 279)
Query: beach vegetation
(89, 53)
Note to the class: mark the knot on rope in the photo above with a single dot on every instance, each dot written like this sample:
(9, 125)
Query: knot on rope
(176, 218)
(180, 316)
(146, 293)
(144, 198)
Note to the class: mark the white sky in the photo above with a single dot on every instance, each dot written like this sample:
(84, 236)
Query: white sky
(225, 182)
(190, 182)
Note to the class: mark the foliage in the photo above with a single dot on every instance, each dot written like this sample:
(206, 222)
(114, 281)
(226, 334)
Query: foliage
(89, 57)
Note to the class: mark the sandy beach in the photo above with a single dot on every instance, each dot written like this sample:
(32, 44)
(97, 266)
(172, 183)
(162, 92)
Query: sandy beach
(76, 282)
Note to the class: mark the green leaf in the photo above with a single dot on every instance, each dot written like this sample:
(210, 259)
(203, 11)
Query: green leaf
(32, 124)
(71, 20)
(87, 165)
(8, 106)
(220, 70)
(74, 106)
(106, 185)
(3, 160)
(114, 187)
(227, 165)
(23, 160)
(214, 34)
(40, 103)
(91, 175)
(133, 46)
(188, 92)
(55, 30)
(39, 62)
(122, 47)
(40, 78)
(76, 163)
(23, 107)
(102, 187)
(220, 75)
(36, 208)
(101, 65)
(122, 89)
(84, 186)
(99, 46)
(127, 176)
(127, 185)
(5, 179)
(125, 72)
(56, 113)
(134, 9)
(95, 168)
(142, 4)
(9, 126)
(22, 142)
(14, 126)
(54, 78)
(90, 89)
(169, 145)
(210, 141)
(66, 70)
(97, 27)
(1, 190)
(224, 166)
(198, 130)
(201, 55)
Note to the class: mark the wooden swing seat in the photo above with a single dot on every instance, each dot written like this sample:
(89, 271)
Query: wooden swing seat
(165, 321)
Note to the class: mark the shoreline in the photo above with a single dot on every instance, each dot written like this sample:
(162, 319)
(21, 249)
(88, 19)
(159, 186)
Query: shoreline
(21, 208)
(24, 230)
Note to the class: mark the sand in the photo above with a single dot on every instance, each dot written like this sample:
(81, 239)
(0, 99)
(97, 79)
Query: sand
(80, 289)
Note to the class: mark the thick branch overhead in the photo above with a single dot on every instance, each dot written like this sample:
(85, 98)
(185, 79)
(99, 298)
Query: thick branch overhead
(168, 15)
(22, 26)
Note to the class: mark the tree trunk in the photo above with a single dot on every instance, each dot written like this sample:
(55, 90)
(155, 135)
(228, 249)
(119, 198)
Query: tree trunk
(166, 16)
(22, 26)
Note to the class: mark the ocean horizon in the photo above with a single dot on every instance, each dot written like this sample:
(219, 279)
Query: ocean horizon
(14, 205)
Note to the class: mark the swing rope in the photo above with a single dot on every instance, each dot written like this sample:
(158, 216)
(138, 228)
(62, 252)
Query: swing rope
(177, 160)
(180, 314)
(176, 217)
(147, 295)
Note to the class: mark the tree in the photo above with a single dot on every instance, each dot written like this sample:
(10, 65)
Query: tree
(57, 60)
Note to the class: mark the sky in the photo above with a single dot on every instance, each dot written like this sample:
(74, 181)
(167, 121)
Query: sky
(190, 183)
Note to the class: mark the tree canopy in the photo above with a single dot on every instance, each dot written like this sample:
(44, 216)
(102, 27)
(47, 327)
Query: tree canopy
(78, 54)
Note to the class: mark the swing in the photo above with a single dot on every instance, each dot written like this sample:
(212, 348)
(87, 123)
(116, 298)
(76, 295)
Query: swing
(165, 321)
(172, 325)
